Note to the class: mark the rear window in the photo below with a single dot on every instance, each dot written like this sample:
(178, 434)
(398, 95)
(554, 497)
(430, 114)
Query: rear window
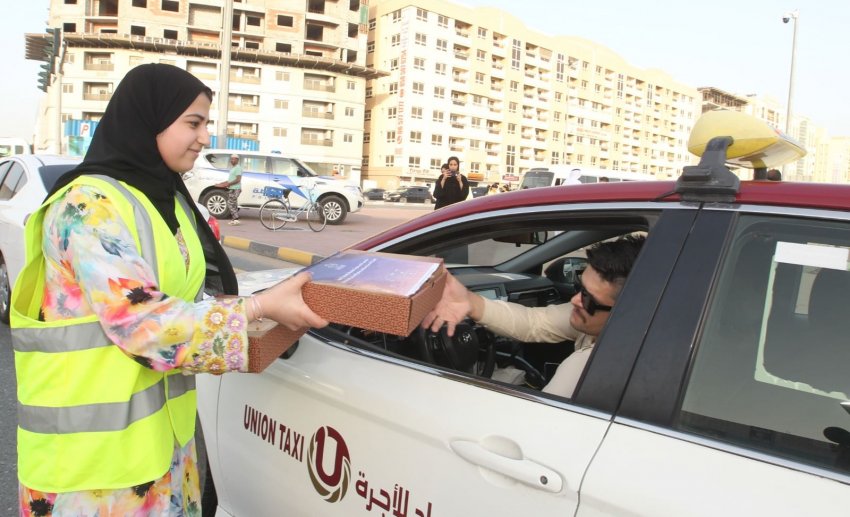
(51, 173)
(538, 179)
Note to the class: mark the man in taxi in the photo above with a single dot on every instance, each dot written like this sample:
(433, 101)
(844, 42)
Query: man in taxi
(582, 320)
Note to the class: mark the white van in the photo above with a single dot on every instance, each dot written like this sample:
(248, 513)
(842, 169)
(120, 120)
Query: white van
(571, 175)
(261, 170)
(10, 146)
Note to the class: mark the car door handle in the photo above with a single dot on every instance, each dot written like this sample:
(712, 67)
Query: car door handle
(525, 471)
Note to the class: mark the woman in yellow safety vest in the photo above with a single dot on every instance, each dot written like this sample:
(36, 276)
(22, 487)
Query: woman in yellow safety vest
(108, 318)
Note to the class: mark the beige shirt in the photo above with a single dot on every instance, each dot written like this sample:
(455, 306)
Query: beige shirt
(549, 324)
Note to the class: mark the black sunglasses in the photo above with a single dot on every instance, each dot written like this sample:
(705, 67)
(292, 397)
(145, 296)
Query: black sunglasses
(588, 302)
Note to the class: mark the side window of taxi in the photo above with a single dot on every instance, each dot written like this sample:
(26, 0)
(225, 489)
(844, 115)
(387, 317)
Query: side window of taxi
(13, 182)
(772, 368)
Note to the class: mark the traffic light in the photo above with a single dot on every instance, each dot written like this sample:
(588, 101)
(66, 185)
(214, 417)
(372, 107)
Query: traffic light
(44, 76)
(51, 49)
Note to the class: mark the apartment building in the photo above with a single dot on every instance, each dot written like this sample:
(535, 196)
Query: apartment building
(297, 72)
(477, 83)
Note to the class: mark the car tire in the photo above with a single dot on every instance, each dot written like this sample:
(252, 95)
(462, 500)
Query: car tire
(402, 200)
(5, 292)
(216, 202)
(335, 209)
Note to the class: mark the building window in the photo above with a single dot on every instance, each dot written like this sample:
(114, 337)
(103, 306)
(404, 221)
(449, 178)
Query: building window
(281, 104)
(171, 5)
(512, 107)
(351, 85)
(366, 138)
(169, 34)
(479, 78)
(419, 63)
(349, 111)
(365, 161)
(442, 21)
(280, 131)
(419, 88)
(137, 3)
(396, 16)
(476, 122)
(392, 112)
(439, 92)
(394, 64)
(416, 113)
(393, 89)
(514, 86)
(510, 159)
(389, 161)
(436, 163)
(511, 129)
(442, 45)
(475, 144)
(135, 30)
(67, 88)
(372, 24)
(481, 55)
(395, 40)
(437, 140)
(370, 47)
(285, 21)
(421, 14)
(421, 39)
(474, 167)
(280, 75)
(368, 92)
(253, 21)
(416, 137)
(367, 115)
(440, 68)
(252, 44)
(482, 33)
(347, 138)
(437, 116)
(390, 137)
(413, 162)
(516, 52)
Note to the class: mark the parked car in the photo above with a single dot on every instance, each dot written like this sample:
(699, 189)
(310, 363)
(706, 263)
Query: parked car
(479, 191)
(374, 194)
(24, 183)
(261, 170)
(410, 195)
(719, 384)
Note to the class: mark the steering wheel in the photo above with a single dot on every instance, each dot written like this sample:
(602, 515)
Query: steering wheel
(463, 352)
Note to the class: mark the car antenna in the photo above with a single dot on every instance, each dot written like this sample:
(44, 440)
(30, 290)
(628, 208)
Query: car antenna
(710, 180)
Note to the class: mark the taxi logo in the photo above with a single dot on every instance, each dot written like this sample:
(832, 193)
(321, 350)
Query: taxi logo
(327, 442)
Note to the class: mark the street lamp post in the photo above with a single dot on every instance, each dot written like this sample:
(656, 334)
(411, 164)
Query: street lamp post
(791, 15)
(788, 16)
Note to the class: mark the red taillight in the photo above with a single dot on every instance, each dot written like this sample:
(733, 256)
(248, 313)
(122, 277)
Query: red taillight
(215, 229)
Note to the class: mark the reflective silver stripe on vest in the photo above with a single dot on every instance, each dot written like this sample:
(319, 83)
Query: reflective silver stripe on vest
(92, 418)
(180, 384)
(49, 340)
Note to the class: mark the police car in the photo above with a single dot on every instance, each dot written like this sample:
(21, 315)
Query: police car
(719, 385)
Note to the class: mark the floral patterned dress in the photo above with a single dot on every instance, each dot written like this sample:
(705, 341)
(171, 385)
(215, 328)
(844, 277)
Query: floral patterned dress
(93, 267)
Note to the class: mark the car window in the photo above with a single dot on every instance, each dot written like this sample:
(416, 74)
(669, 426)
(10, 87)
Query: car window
(219, 161)
(4, 168)
(284, 166)
(771, 368)
(15, 179)
(51, 173)
(254, 164)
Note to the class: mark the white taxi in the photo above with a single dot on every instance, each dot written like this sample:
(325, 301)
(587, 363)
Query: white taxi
(719, 385)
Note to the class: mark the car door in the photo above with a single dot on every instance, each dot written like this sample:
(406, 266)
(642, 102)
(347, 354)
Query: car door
(341, 429)
(286, 174)
(256, 176)
(738, 401)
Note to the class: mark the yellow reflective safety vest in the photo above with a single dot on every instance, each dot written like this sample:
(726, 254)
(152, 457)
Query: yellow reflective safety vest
(89, 416)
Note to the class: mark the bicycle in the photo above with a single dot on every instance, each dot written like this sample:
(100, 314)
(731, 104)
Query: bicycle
(276, 211)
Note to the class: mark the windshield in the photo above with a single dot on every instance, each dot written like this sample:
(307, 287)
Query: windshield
(534, 179)
(306, 168)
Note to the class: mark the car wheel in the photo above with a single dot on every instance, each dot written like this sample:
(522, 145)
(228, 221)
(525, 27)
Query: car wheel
(335, 209)
(216, 202)
(402, 200)
(5, 292)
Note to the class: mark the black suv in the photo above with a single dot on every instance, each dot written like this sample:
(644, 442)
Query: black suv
(410, 194)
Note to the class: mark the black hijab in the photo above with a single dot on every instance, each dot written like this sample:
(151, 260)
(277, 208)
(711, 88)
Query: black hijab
(148, 100)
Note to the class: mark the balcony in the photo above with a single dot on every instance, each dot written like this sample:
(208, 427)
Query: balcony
(463, 56)
(103, 67)
(250, 108)
(96, 96)
(318, 86)
(309, 140)
(248, 79)
(313, 113)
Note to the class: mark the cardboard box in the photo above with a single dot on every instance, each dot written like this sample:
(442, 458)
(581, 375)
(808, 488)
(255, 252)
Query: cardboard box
(376, 308)
(267, 341)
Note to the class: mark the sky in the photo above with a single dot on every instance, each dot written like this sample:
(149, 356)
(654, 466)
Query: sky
(740, 46)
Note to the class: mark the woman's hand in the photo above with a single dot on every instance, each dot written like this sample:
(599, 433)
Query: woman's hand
(283, 303)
